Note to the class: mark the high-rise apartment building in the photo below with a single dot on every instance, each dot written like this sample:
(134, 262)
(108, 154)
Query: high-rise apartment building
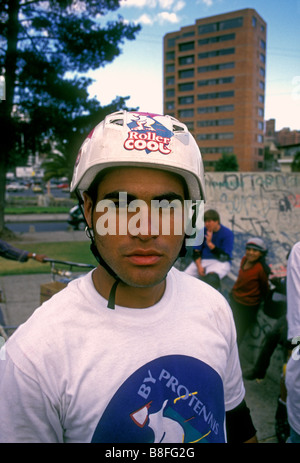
(214, 82)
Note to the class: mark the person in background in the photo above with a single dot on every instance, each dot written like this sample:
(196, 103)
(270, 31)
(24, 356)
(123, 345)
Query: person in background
(10, 252)
(292, 377)
(212, 259)
(251, 286)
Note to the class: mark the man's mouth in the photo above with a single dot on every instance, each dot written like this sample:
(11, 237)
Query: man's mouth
(144, 257)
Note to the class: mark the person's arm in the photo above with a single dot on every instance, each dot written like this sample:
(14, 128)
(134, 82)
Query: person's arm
(239, 425)
(223, 251)
(12, 253)
(197, 259)
(38, 257)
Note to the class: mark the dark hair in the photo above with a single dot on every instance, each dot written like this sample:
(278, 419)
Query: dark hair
(211, 214)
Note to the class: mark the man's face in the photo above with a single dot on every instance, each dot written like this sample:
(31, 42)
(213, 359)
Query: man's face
(212, 225)
(143, 256)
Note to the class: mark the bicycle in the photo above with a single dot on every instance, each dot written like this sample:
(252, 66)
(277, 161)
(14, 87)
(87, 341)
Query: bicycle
(60, 277)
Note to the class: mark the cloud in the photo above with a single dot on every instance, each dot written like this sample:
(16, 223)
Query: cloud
(145, 19)
(206, 2)
(165, 16)
(139, 3)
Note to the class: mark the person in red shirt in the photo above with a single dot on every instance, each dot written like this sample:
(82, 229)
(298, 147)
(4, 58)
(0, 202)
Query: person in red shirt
(251, 286)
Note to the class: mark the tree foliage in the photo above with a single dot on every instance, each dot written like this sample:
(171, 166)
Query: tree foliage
(44, 46)
(227, 163)
(295, 167)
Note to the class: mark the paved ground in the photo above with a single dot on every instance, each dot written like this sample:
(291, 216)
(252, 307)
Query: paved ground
(22, 296)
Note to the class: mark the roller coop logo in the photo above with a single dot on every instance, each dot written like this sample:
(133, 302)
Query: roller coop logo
(149, 135)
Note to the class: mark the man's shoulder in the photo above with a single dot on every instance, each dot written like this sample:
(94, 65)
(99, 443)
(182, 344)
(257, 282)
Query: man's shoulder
(226, 230)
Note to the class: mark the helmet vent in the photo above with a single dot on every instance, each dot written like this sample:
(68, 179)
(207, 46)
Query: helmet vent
(117, 121)
(178, 129)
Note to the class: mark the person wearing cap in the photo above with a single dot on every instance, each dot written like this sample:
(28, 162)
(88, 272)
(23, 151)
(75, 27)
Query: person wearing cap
(135, 351)
(212, 258)
(251, 286)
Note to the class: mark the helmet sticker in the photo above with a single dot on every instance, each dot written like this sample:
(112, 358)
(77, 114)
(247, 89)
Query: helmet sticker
(146, 133)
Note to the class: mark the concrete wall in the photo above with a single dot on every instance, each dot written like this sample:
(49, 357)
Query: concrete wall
(263, 204)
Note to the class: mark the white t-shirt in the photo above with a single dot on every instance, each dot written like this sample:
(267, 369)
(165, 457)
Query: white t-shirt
(80, 372)
(293, 318)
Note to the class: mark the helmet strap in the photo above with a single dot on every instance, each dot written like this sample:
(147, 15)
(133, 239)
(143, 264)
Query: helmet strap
(99, 258)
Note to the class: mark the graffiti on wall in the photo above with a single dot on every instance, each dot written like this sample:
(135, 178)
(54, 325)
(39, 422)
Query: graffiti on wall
(263, 204)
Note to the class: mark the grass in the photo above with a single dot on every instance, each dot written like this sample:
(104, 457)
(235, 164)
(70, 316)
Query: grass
(15, 210)
(70, 251)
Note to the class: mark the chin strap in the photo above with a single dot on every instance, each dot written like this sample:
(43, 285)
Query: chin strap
(99, 259)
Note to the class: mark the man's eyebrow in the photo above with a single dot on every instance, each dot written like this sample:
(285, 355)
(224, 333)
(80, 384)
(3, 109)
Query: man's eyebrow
(169, 196)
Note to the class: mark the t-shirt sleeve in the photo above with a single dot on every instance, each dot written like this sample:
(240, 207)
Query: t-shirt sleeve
(27, 416)
(293, 292)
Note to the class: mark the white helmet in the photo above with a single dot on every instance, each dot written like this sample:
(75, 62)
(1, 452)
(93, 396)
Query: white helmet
(143, 140)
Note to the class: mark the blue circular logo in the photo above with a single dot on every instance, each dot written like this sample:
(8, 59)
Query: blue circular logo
(172, 399)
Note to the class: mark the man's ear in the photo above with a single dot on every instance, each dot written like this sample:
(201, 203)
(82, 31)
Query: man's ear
(88, 208)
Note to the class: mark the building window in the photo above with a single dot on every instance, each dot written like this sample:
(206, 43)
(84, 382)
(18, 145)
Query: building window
(186, 87)
(170, 105)
(186, 99)
(207, 28)
(186, 73)
(207, 96)
(190, 125)
(260, 112)
(170, 56)
(263, 44)
(170, 80)
(216, 67)
(186, 60)
(230, 24)
(217, 149)
(220, 26)
(261, 98)
(215, 136)
(262, 58)
(254, 21)
(211, 54)
(261, 85)
(221, 80)
(186, 113)
(170, 68)
(215, 109)
(262, 72)
(171, 42)
(186, 46)
(219, 38)
(170, 93)
(260, 138)
(260, 125)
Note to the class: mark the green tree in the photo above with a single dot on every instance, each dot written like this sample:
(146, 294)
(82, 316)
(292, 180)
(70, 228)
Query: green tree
(227, 163)
(295, 167)
(42, 41)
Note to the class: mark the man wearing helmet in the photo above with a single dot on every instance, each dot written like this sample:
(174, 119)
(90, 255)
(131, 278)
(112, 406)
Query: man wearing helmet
(135, 351)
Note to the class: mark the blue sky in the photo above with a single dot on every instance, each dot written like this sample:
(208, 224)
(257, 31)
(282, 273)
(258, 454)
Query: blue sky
(138, 71)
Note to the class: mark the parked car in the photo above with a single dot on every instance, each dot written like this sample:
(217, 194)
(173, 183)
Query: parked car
(76, 219)
(15, 186)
